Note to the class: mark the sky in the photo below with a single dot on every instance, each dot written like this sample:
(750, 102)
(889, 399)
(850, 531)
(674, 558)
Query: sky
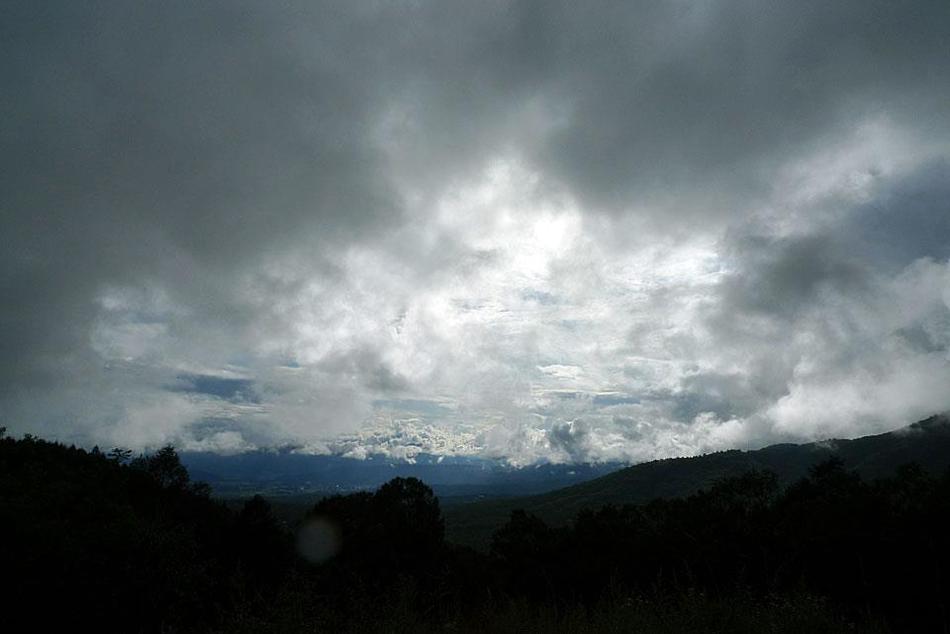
(532, 231)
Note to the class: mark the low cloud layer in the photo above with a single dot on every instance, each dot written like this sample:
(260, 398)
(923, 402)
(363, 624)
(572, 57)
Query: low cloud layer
(528, 230)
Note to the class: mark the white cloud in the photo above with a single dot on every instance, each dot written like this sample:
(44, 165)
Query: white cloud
(447, 235)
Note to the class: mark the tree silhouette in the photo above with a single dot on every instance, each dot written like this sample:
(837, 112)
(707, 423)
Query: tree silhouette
(137, 543)
(119, 454)
(165, 467)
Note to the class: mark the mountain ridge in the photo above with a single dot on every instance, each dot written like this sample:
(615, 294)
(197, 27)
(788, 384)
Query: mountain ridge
(286, 473)
(926, 442)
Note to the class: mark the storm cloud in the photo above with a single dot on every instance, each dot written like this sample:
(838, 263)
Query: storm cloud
(345, 225)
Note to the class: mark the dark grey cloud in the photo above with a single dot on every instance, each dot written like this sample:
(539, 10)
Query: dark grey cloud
(686, 102)
(830, 324)
(676, 210)
(783, 276)
(171, 143)
(571, 437)
(366, 365)
(235, 390)
(909, 219)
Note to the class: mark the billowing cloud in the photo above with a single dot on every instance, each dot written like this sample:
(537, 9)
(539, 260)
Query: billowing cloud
(524, 229)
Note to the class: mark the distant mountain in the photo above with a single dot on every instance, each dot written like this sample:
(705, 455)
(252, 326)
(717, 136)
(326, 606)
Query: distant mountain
(927, 443)
(283, 473)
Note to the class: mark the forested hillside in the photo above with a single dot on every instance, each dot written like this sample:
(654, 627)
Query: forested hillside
(125, 545)
(926, 443)
(101, 542)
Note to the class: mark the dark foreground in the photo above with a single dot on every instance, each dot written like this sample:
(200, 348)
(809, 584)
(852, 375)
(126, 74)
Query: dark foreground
(102, 543)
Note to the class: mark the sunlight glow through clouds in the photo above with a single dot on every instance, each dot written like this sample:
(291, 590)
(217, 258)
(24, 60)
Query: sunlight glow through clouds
(535, 232)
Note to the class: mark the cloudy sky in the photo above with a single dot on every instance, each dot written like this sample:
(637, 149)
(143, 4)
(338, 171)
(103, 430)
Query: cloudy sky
(528, 230)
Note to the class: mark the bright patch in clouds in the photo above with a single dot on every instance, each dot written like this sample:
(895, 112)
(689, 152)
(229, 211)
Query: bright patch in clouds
(522, 231)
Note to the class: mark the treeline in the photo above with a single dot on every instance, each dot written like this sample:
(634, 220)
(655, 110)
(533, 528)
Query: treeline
(102, 542)
(90, 542)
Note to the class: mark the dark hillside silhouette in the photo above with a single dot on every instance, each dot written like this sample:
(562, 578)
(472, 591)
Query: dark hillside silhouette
(129, 547)
(105, 543)
(926, 443)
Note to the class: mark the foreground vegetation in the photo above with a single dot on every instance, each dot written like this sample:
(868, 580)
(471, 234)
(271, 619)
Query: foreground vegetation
(101, 542)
